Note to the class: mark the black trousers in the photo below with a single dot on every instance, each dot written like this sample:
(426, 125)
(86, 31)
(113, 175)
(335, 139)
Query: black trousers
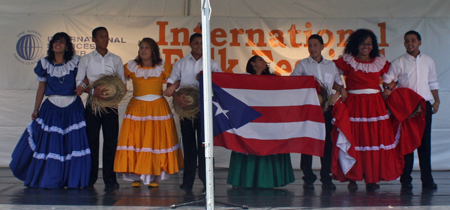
(109, 122)
(194, 151)
(424, 152)
(306, 160)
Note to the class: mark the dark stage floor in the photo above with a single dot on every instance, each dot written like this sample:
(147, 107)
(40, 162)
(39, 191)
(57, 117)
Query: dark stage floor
(13, 195)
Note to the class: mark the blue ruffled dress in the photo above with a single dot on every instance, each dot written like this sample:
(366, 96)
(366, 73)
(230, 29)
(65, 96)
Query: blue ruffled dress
(53, 152)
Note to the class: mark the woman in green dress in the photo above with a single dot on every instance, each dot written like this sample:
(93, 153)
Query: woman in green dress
(253, 171)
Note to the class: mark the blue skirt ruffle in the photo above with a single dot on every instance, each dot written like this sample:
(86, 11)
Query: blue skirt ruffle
(53, 152)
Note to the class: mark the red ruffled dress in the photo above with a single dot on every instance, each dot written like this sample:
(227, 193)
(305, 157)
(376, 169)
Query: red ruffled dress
(372, 134)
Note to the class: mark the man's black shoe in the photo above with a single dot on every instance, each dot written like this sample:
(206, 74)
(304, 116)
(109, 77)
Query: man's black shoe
(431, 185)
(111, 187)
(308, 186)
(407, 186)
(328, 186)
(185, 187)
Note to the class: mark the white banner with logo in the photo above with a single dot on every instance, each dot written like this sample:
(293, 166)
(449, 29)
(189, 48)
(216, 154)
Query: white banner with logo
(281, 41)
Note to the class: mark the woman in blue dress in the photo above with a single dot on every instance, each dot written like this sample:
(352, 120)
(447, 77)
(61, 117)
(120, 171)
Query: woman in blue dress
(53, 152)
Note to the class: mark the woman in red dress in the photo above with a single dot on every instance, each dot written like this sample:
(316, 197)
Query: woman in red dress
(372, 134)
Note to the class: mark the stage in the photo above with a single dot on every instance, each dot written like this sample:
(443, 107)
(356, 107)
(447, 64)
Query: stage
(13, 195)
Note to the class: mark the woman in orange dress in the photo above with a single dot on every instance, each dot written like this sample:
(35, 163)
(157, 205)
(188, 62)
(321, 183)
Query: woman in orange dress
(148, 148)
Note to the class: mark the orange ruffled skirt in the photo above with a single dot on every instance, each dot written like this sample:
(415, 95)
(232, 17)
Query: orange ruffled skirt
(148, 146)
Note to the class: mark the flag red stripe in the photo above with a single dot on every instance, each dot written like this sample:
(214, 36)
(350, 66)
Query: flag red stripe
(303, 145)
(263, 82)
(289, 114)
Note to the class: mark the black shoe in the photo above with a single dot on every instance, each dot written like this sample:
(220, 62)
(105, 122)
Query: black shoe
(308, 186)
(431, 185)
(407, 186)
(352, 185)
(111, 187)
(185, 187)
(372, 186)
(328, 186)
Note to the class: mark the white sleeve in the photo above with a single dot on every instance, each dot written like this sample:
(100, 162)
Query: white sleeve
(82, 67)
(432, 77)
(337, 76)
(119, 69)
(298, 70)
(392, 74)
(215, 67)
(176, 73)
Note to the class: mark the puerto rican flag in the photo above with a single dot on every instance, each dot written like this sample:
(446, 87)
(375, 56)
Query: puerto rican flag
(264, 115)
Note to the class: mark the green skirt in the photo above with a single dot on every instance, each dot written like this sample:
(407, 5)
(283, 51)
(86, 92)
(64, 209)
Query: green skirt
(252, 171)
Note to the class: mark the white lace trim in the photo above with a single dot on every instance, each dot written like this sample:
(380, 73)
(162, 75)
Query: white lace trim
(58, 129)
(153, 118)
(371, 119)
(146, 149)
(60, 70)
(376, 148)
(145, 73)
(372, 67)
(54, 156)
(41, 79)
(62, 158)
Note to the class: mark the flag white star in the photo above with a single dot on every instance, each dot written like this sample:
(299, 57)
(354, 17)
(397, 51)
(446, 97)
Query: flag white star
(220, 110)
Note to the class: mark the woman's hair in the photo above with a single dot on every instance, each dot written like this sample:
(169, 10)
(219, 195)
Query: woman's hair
(249, 69)
(156, 56)
(68, 54)
(357, 38)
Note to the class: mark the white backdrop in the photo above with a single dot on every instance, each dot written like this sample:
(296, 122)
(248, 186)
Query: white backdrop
(278, 31)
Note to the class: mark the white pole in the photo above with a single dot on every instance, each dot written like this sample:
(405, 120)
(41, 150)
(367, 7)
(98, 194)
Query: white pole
(207, 103)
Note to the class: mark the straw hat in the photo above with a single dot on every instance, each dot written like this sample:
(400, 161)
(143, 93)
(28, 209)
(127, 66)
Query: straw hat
(192, 97)
(115, 91)
(322, 94)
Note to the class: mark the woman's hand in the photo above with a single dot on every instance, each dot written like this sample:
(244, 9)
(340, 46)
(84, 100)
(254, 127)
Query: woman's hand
(35, 114)
(344, 94)
(80, 89)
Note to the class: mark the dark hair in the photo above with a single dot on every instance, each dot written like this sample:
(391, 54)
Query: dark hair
(316, 36)
(413, 32)
(67, 54)
(156, 56)
(249, 69)
(94, 32)
(357, 38)
(191, 39)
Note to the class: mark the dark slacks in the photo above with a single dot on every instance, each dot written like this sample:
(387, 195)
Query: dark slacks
(194, 152)
(306, 160)
(424, 152)
(109, 122)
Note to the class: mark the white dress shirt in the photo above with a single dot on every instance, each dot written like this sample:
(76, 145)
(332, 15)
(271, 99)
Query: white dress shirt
(94, 65)
(325, 71)
(187, 69)
(418, 74)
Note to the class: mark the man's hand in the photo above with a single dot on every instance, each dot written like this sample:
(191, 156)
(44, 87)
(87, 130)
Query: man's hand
(435, 107)
(179, 99)
(386, 93)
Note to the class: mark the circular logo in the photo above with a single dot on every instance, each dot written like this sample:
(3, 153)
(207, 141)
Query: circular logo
(29, 47)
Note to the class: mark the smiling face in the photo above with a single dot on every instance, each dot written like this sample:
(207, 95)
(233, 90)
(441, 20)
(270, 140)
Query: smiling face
(59, 46)
(196, 47)
(101, 40)
(412, 44)
(145, 51)
(365, 48)
(315, 49)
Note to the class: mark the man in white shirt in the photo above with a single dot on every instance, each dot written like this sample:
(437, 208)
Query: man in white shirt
(416, 71)
(186, 71)
(92, 66)
(326, 72)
